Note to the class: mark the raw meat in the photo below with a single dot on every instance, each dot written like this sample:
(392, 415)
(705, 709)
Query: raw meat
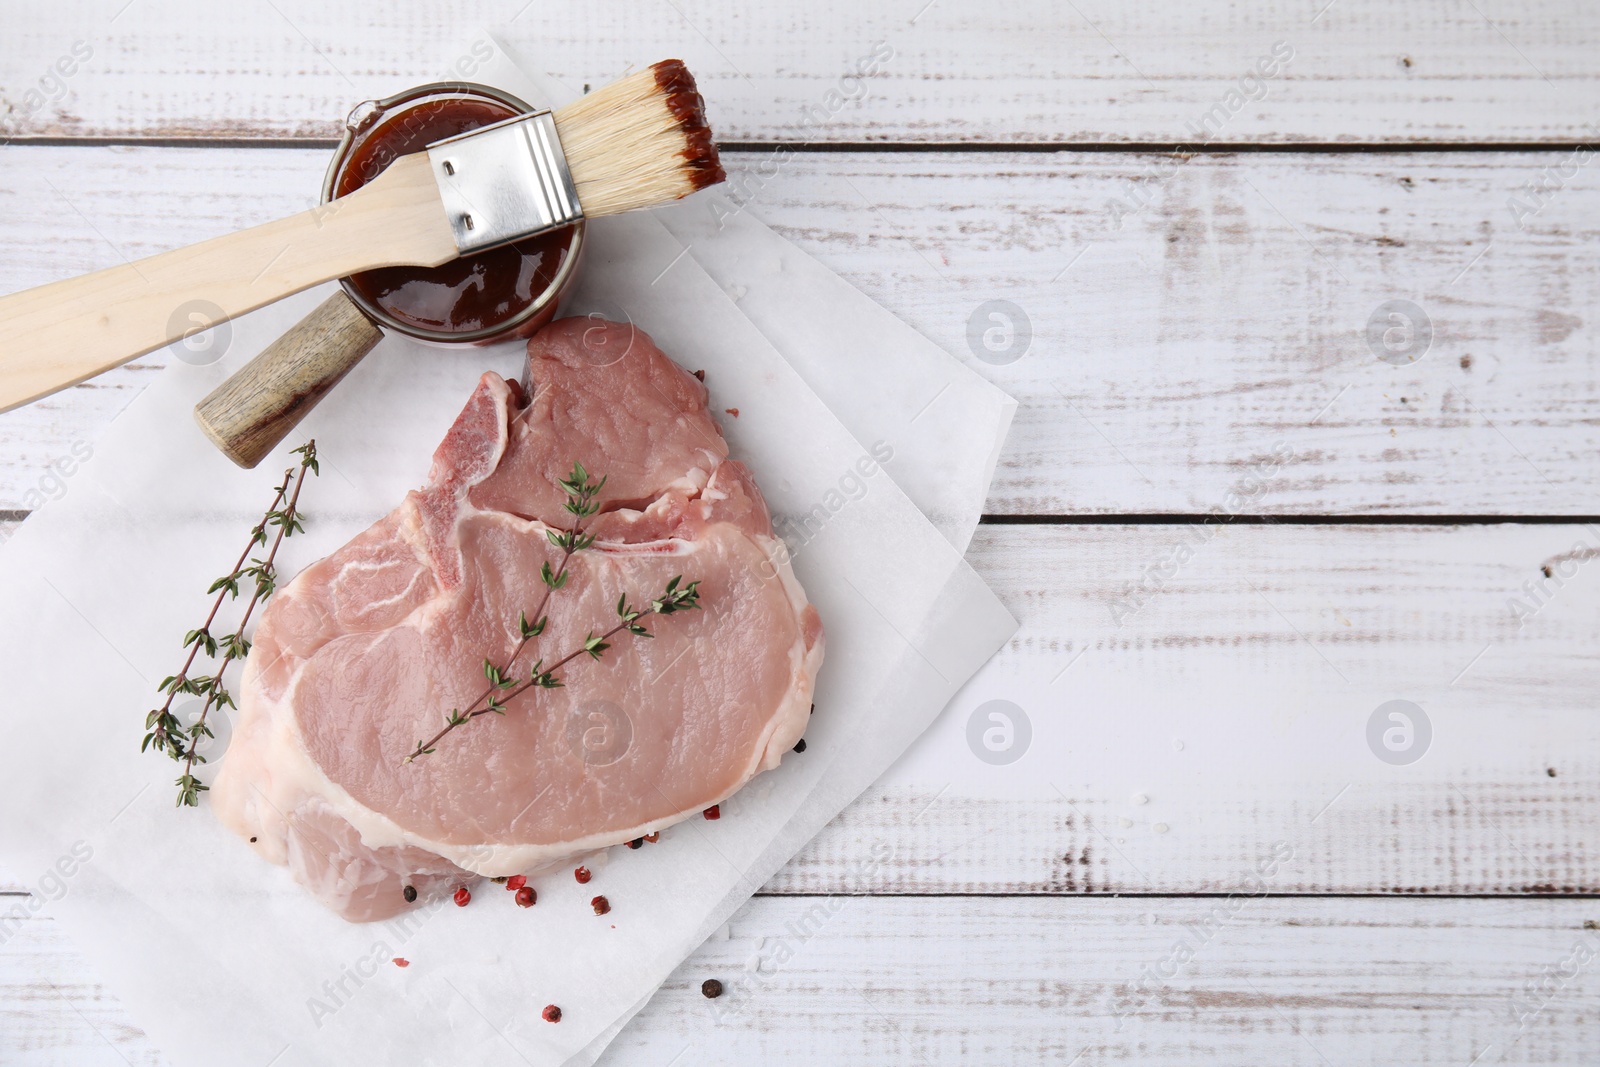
(363, 655)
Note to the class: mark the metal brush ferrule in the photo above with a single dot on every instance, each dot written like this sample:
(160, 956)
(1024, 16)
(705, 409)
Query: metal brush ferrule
(504, 182)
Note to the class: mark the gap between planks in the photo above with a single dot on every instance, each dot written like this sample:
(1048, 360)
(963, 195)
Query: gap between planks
(1376, 894)
(1190, 518)
(17, 516)
(1212, 148)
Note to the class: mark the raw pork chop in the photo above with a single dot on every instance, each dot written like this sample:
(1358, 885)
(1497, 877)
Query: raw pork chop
(365, 652)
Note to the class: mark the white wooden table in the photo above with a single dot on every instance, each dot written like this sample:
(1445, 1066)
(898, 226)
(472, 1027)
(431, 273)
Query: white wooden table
(1198, 696)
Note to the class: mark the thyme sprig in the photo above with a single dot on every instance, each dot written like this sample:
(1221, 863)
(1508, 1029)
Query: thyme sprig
(165, 732)
(674, 599)
(504, 681)
(581, 491)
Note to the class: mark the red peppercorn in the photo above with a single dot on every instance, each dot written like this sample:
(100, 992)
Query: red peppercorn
(653, 838)
(713, 812)
(463, 897)
(552, 1014)
(401, 962)
(516, 882)
(526, 897)
(600, 905)
(637, 842)
(582, 875)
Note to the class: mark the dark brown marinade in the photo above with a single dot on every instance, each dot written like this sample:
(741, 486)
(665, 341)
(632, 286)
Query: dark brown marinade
(475, 292)
(686, 105)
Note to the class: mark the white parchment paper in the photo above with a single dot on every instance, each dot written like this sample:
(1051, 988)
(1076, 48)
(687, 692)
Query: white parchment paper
(901, 387)
(223, 959)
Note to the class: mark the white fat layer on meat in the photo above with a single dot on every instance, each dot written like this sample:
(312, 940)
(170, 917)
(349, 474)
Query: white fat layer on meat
(336, 589)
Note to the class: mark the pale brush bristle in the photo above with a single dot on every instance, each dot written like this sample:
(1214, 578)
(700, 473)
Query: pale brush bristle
(639, 141)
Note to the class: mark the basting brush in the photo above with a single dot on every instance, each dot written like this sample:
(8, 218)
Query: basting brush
(635, 143)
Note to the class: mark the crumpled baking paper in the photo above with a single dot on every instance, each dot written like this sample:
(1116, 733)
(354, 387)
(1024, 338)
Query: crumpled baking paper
(223, 959)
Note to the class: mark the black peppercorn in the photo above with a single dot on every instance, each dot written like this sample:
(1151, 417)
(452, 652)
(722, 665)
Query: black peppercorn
(410, 894)
(800, 745)
(711, 989)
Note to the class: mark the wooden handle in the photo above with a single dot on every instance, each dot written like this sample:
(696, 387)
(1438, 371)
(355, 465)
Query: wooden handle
(250, 413)
(60, 334)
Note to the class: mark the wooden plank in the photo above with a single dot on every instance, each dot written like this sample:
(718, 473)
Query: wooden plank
(1222, 328)
(1230, 708)
(1223, 321)
(1414, 839)
(1265, 658)
(1028, 981)
(868, 980)
(1094, 71)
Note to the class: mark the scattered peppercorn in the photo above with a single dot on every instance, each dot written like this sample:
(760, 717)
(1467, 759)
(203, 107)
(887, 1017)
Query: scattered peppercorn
(526, 897)
(813, 710)
(800, 745)
(463, 897)
(552, 1014)
(600, 905)
(711, 989)
(252, 840)
(401, 962)
(714, 812)
(1551, 771)
(653, 838)
(637, 842)
(516, 882)
(582, 875)
(410, 893)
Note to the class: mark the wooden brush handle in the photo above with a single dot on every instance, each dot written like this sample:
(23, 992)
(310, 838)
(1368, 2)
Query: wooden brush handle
(60, 334)
(250, 413)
